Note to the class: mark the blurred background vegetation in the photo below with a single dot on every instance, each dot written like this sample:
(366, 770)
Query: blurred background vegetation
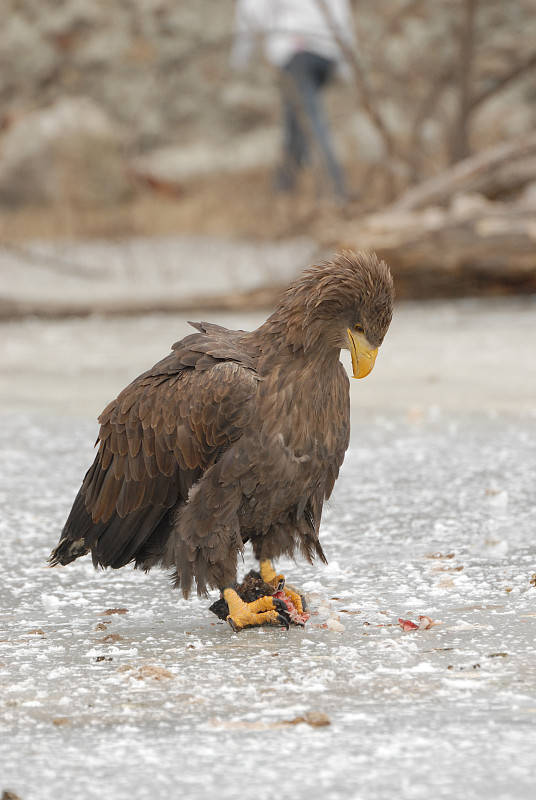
(126, 119)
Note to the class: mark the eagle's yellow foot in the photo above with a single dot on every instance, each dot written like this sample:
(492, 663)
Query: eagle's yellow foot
(269, 575)
(261, 611)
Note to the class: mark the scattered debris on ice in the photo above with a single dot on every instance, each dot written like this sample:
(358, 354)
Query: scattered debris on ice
(316, 719)
(424, 623)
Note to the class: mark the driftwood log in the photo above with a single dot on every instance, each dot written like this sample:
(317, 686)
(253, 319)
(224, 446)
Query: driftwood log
(438, 253)
(450, 236)
(495, 172)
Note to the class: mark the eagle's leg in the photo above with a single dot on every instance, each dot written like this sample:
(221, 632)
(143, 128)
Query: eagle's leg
(269, 575)
(259, 612)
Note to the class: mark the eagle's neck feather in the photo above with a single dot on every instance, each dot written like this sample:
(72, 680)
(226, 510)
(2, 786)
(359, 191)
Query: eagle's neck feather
(283, 340)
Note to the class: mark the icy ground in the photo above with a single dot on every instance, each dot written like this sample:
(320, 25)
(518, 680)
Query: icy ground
(434, 514)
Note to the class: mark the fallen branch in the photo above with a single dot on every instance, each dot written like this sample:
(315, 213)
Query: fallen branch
(476, 174)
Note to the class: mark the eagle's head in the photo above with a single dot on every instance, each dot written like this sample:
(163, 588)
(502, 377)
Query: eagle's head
(344, 303)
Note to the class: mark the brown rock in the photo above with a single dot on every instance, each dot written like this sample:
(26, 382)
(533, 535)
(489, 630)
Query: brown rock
(69, 152)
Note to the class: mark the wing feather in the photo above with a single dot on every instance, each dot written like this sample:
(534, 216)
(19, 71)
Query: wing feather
(156, 439)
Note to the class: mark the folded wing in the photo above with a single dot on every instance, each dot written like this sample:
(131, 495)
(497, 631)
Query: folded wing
(156, 440)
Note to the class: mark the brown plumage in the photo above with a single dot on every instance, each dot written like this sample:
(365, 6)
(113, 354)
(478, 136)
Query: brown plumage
(235, 436)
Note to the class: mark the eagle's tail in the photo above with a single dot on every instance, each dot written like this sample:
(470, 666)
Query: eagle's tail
(72, 542)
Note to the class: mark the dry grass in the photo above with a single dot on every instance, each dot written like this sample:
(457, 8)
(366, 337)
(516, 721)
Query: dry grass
(242, 205)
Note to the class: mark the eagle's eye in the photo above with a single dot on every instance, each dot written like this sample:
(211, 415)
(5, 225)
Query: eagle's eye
(359, 328)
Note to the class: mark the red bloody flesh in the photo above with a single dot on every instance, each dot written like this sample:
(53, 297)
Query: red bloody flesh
(407, 625)
(294, 614)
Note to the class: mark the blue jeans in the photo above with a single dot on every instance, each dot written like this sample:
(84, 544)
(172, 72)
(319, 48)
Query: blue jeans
(304, 120)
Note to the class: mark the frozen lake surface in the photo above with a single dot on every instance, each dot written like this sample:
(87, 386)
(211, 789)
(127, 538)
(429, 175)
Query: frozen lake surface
(434, 514)
(164, 700)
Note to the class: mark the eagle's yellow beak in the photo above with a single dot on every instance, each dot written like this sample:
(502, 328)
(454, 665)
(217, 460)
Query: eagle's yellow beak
(363, 356)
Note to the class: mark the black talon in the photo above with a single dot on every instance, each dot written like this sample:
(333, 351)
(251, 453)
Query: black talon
(281, 585)
(283, 614)
(231, 622)
(282, 621)
(303, 603)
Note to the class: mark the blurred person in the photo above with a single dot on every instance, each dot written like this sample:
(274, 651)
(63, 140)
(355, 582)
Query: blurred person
(305, 40)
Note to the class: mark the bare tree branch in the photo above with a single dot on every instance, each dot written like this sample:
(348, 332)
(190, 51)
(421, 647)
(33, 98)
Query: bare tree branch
(516, 72)
(472, 174)
(366, 94)
(459, 137)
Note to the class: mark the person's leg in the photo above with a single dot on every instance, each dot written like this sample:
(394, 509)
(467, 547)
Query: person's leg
(310, 72)
(295, 144)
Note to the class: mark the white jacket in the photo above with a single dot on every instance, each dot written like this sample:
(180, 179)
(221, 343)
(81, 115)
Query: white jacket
(290, 26)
